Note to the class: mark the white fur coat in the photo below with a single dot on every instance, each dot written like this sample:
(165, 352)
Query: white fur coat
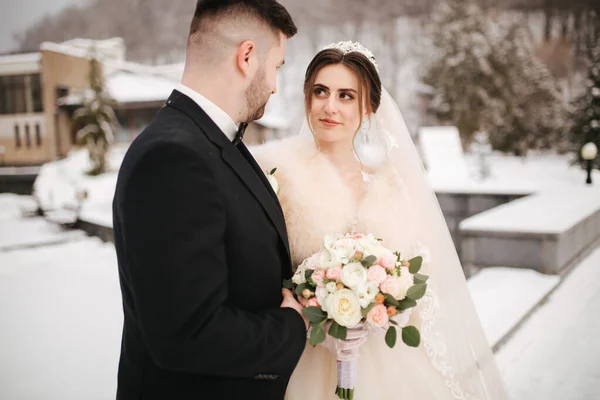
(316, 202)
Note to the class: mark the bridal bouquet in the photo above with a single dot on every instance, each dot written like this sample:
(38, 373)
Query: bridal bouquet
(354, 279)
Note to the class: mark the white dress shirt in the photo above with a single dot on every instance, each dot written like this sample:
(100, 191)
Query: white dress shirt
(219, 117)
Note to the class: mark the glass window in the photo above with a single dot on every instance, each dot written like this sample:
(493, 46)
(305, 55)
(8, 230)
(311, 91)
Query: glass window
(36, 93)
(17, 136)
(38, 135)
(27, 136)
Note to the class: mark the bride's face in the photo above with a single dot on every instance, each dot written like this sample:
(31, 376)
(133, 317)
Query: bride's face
(334, 112)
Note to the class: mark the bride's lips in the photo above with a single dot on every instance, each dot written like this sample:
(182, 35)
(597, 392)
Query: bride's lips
(329, 123)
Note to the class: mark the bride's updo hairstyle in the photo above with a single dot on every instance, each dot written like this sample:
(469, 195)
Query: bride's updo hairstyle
(363, 68)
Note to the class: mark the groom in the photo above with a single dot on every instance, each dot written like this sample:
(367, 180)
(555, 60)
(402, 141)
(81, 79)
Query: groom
(201, 240)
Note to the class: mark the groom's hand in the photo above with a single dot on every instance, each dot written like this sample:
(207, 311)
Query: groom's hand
(290, 302)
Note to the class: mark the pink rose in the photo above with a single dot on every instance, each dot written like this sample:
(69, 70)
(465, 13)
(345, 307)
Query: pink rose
(392, 286)
(312, 303)
(333, 274)
(318, 277)
(378, 316)
(377, 274)
(387, 262)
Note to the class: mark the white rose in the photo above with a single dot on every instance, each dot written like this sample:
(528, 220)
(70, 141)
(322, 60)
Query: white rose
(366, 293)
(367, 241)
(322, 295)
(406, 281)
(329, 242)
(372, 289)
(328, 259)
(298, 277)
(344, 308)
(354, 275)
(331, 287)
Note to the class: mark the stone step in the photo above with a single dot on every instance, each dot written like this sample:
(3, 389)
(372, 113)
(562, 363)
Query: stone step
(548, 231)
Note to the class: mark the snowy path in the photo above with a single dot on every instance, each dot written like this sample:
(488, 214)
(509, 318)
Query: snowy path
(555, 355)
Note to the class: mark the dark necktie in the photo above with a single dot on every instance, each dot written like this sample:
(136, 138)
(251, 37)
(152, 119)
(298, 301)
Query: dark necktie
(240, 133)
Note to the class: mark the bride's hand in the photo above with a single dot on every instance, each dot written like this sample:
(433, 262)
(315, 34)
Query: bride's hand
(290, 302)
(346, 349)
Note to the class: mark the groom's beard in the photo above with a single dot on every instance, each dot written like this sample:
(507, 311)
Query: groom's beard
(257, 96)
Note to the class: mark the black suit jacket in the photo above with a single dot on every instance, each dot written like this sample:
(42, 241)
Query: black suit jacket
(202, 250)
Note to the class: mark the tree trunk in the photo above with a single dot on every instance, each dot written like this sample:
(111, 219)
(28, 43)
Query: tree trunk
(577, 31)
(548, 16)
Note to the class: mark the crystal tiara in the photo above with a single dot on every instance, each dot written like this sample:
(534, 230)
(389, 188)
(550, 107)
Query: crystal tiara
(351, 47)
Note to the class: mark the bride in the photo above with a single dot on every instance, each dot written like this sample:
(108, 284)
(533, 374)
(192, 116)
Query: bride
(354, 168)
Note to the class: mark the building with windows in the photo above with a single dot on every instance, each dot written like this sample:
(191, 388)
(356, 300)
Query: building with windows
(40, 91)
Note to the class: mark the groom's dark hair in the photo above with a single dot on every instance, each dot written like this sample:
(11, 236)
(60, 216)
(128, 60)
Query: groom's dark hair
(269, 12)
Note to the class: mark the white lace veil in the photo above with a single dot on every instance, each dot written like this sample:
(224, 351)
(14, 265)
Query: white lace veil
(452, 335)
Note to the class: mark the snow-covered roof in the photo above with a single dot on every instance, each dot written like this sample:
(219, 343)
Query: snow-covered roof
(107, 49)
(169, 71)
(128, 87)
(25, 63)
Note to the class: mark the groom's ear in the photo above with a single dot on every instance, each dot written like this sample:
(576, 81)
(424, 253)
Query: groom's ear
(246, 57)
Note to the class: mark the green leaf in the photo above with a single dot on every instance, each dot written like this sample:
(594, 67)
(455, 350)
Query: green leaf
(411, 336)
(317, 335)
(273, 171)
(368, 261)
(415, 264)
(420, 278)
(365, 311)
(417, 291)
(406, 304)
(314, 314)
(338, 331)
(300, 288)
(390, 337)
(288, 284)
(308, 276)
(390, 300)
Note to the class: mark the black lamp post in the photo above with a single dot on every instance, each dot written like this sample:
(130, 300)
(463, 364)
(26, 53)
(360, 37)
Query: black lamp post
(589, 152)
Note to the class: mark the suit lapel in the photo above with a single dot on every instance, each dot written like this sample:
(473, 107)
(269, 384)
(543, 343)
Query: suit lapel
(261, 174)
(241, 162)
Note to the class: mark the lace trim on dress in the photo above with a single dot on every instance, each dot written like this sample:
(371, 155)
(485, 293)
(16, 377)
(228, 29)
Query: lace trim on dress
(435, 345)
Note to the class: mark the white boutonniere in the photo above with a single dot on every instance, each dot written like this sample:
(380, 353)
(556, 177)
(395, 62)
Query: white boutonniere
(273, 181)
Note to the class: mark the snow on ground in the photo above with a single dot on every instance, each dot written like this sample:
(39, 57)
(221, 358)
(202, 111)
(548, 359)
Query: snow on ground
(62, 319)
(554, 355)
(520, 290)
(515, 175)
(13, 205)
(58, 182)
(18, 233)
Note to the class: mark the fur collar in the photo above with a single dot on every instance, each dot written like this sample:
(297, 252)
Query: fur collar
(317, 202)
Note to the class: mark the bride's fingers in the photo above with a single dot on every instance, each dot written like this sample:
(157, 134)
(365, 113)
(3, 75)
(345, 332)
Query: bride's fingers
(356, 334)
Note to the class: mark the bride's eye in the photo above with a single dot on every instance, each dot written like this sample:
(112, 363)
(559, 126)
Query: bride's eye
(346, 96)
(319, 92)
